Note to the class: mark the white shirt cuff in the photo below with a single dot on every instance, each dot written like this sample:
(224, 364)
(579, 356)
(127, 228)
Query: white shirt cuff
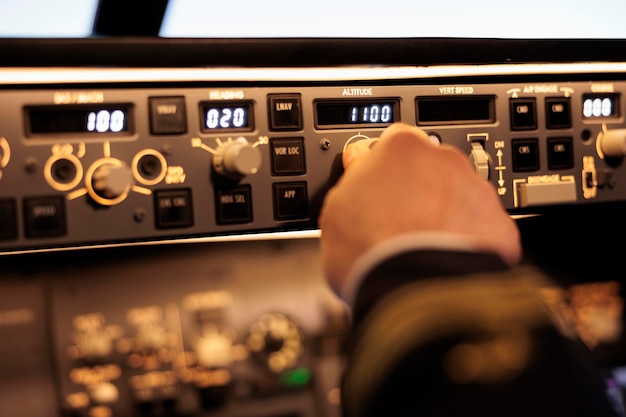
(400, 244)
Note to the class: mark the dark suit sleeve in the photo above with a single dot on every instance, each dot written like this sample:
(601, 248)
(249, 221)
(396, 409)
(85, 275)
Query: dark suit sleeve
(445, 333)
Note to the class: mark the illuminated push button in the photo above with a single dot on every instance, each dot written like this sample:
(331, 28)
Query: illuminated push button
(525, 155)
(44, 217)
(8, 219)
(234, 205)
(560, 153)
(167, 115)
(523, 113)
(173, 208)
(291, 201)
(558, 115)
(285, 111)
(287, 156)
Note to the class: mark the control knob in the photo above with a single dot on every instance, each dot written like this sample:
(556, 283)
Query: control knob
(236, 159)
(109, 181)
(612, 143)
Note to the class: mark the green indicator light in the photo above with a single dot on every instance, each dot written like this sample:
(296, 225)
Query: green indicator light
(296, 378)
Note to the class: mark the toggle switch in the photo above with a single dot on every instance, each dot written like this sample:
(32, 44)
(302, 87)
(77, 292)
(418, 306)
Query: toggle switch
(479, 160)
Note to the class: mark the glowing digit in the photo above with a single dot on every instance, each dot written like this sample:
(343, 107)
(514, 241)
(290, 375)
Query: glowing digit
(117, 121)
(597, 107)
(212, 117)
(386, 114)
(239, 119)
(227, 115)
(587, 108)
(607, 107)
(102, 121)
(375, 113)
(91, 122)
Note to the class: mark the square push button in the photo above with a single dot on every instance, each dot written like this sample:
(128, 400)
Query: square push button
(523, 113)
(560, 153)
(291, 201)
(8, 219)
(173, 208)
(44, 217)
(287, 156)
(558, 115)
(525, 155)
(167, 115)
(284, 111)
(234, 205)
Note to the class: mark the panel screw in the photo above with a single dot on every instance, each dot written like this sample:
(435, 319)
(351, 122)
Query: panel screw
(325, 144)
(31, 165)
(140, 215)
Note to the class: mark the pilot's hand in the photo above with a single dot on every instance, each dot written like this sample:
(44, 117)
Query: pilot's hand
(403, 185)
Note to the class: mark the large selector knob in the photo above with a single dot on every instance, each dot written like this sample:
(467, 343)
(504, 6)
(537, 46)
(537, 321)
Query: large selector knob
(237, 158)
(111, 181)
(613, 143)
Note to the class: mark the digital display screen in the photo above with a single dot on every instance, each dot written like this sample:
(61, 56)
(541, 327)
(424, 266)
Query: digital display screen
(227, 116)
(353, 113)
(600, 105)
(455, 110)
(83, 119)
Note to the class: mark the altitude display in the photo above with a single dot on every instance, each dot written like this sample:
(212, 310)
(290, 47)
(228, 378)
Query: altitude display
(89, 119)
(227, 116)
(352, 113)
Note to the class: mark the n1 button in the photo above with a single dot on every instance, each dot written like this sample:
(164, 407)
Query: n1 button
(285, 111)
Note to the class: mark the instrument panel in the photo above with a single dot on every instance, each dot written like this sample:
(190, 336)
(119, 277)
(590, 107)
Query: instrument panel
(92, 157)
(235, 322)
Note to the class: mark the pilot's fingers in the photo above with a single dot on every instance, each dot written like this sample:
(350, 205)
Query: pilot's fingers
(403, 129)
(356, 151)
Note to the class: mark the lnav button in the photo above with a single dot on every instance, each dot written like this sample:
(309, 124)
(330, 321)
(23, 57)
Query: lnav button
(285, 111)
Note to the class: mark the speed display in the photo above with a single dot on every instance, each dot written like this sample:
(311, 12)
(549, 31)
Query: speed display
(355, 113)
(79, 119)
